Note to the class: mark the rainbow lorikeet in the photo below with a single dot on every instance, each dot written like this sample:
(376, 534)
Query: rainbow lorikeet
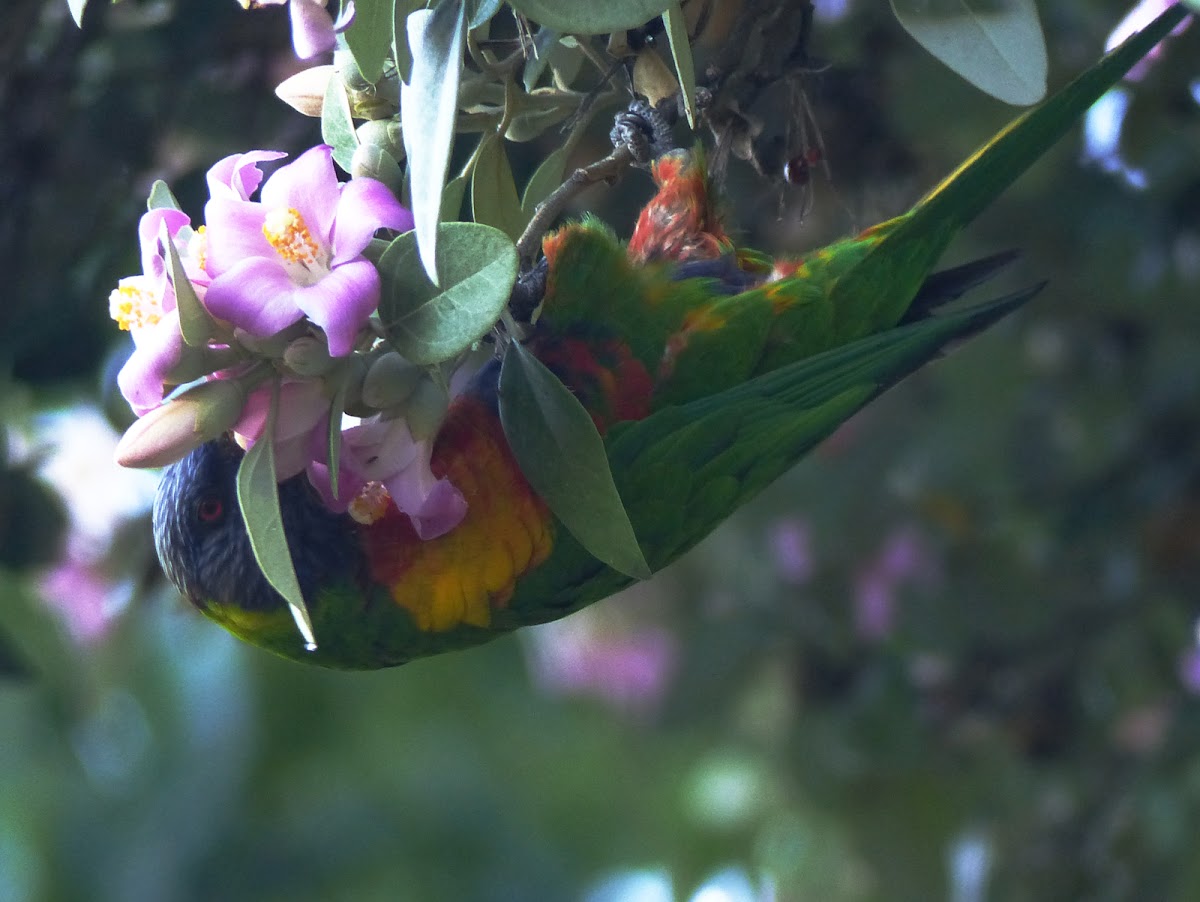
(708, 369)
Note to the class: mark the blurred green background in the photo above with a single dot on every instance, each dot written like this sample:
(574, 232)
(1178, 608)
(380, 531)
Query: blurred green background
(950, 656)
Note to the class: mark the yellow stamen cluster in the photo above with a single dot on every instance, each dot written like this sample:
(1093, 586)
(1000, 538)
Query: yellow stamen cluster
(198, 247)
(287, 232)
(134, 303)
(370, 504)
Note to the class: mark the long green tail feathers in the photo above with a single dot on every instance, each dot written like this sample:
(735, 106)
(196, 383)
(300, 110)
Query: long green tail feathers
(911, 244)
(963, 194)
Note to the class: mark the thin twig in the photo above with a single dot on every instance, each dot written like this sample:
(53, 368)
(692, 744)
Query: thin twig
(549, 209)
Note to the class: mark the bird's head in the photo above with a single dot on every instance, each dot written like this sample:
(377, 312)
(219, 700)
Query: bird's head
(204, 548)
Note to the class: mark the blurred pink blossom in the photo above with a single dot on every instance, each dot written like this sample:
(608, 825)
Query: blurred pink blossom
(1135, 20)
(593, 654)
(85, 597)
(790, 541)
(904, 559)
(1189, 670)
(88, 589)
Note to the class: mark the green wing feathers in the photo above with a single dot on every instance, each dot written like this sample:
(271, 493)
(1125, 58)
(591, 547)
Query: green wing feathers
(684, 469)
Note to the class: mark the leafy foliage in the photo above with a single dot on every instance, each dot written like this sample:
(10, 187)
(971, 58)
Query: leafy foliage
(562, 454)
(996, 45)
(1026, 706)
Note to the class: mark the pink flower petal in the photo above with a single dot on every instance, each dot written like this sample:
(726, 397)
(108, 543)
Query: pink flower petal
(302, 405)
(158, 350)
(237, 176)
(310, 185)
(366, 205)
(256, 295)
(442, 509)
(149, 227)
(312, 28)
(341, 303)
(234, 233)
(349, 485)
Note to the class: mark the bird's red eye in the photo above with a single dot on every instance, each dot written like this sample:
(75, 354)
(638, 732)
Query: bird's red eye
(210, 510)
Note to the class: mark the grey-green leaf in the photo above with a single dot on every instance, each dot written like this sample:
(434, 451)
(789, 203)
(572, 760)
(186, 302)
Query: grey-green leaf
(337, 125)
(161, 197)
(428, 324)
(403, 55)
(369, 36)
(481, 11)
(539, 58)
(428, 106)
(997, 45)
(195, 322)
(334, 439)
(258, 497)
(562, 455)
(452, 197)
(590, 16)
(545, 179)
(494, 198)
(681, 53)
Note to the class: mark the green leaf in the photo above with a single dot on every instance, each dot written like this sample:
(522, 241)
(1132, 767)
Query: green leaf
(545, 179)
(369, 36)
(337, 125)
(428, 108)
(562, 455)
(161, 197)
(494, 198)
(400, 49)
(480, 12)
(427, 324)
(195, 322)
(452, 197)
(535, 64)
(536, 117)
(334, 439)
(590, 16)
(681, 53)
(258, 497)
(997, 45)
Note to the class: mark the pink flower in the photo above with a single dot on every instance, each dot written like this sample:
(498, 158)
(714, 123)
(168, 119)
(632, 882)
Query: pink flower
(237, 175)
(791, 549)
(609, 654)
(1135, 20)
(298, 252)
(85, 597)
(905, 558)
(313, 29)
(385, 452)
(301, 426)
(91, 585)
(145, 306)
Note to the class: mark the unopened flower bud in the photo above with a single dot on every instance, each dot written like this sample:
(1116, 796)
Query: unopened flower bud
(270, 346)
(425, 409)
(380, 101)
(169, 432)
(349, 72)
(354, 374)
(308, 356)
(386, 134)
(390, 381)
(374, 163)
(305, 91)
